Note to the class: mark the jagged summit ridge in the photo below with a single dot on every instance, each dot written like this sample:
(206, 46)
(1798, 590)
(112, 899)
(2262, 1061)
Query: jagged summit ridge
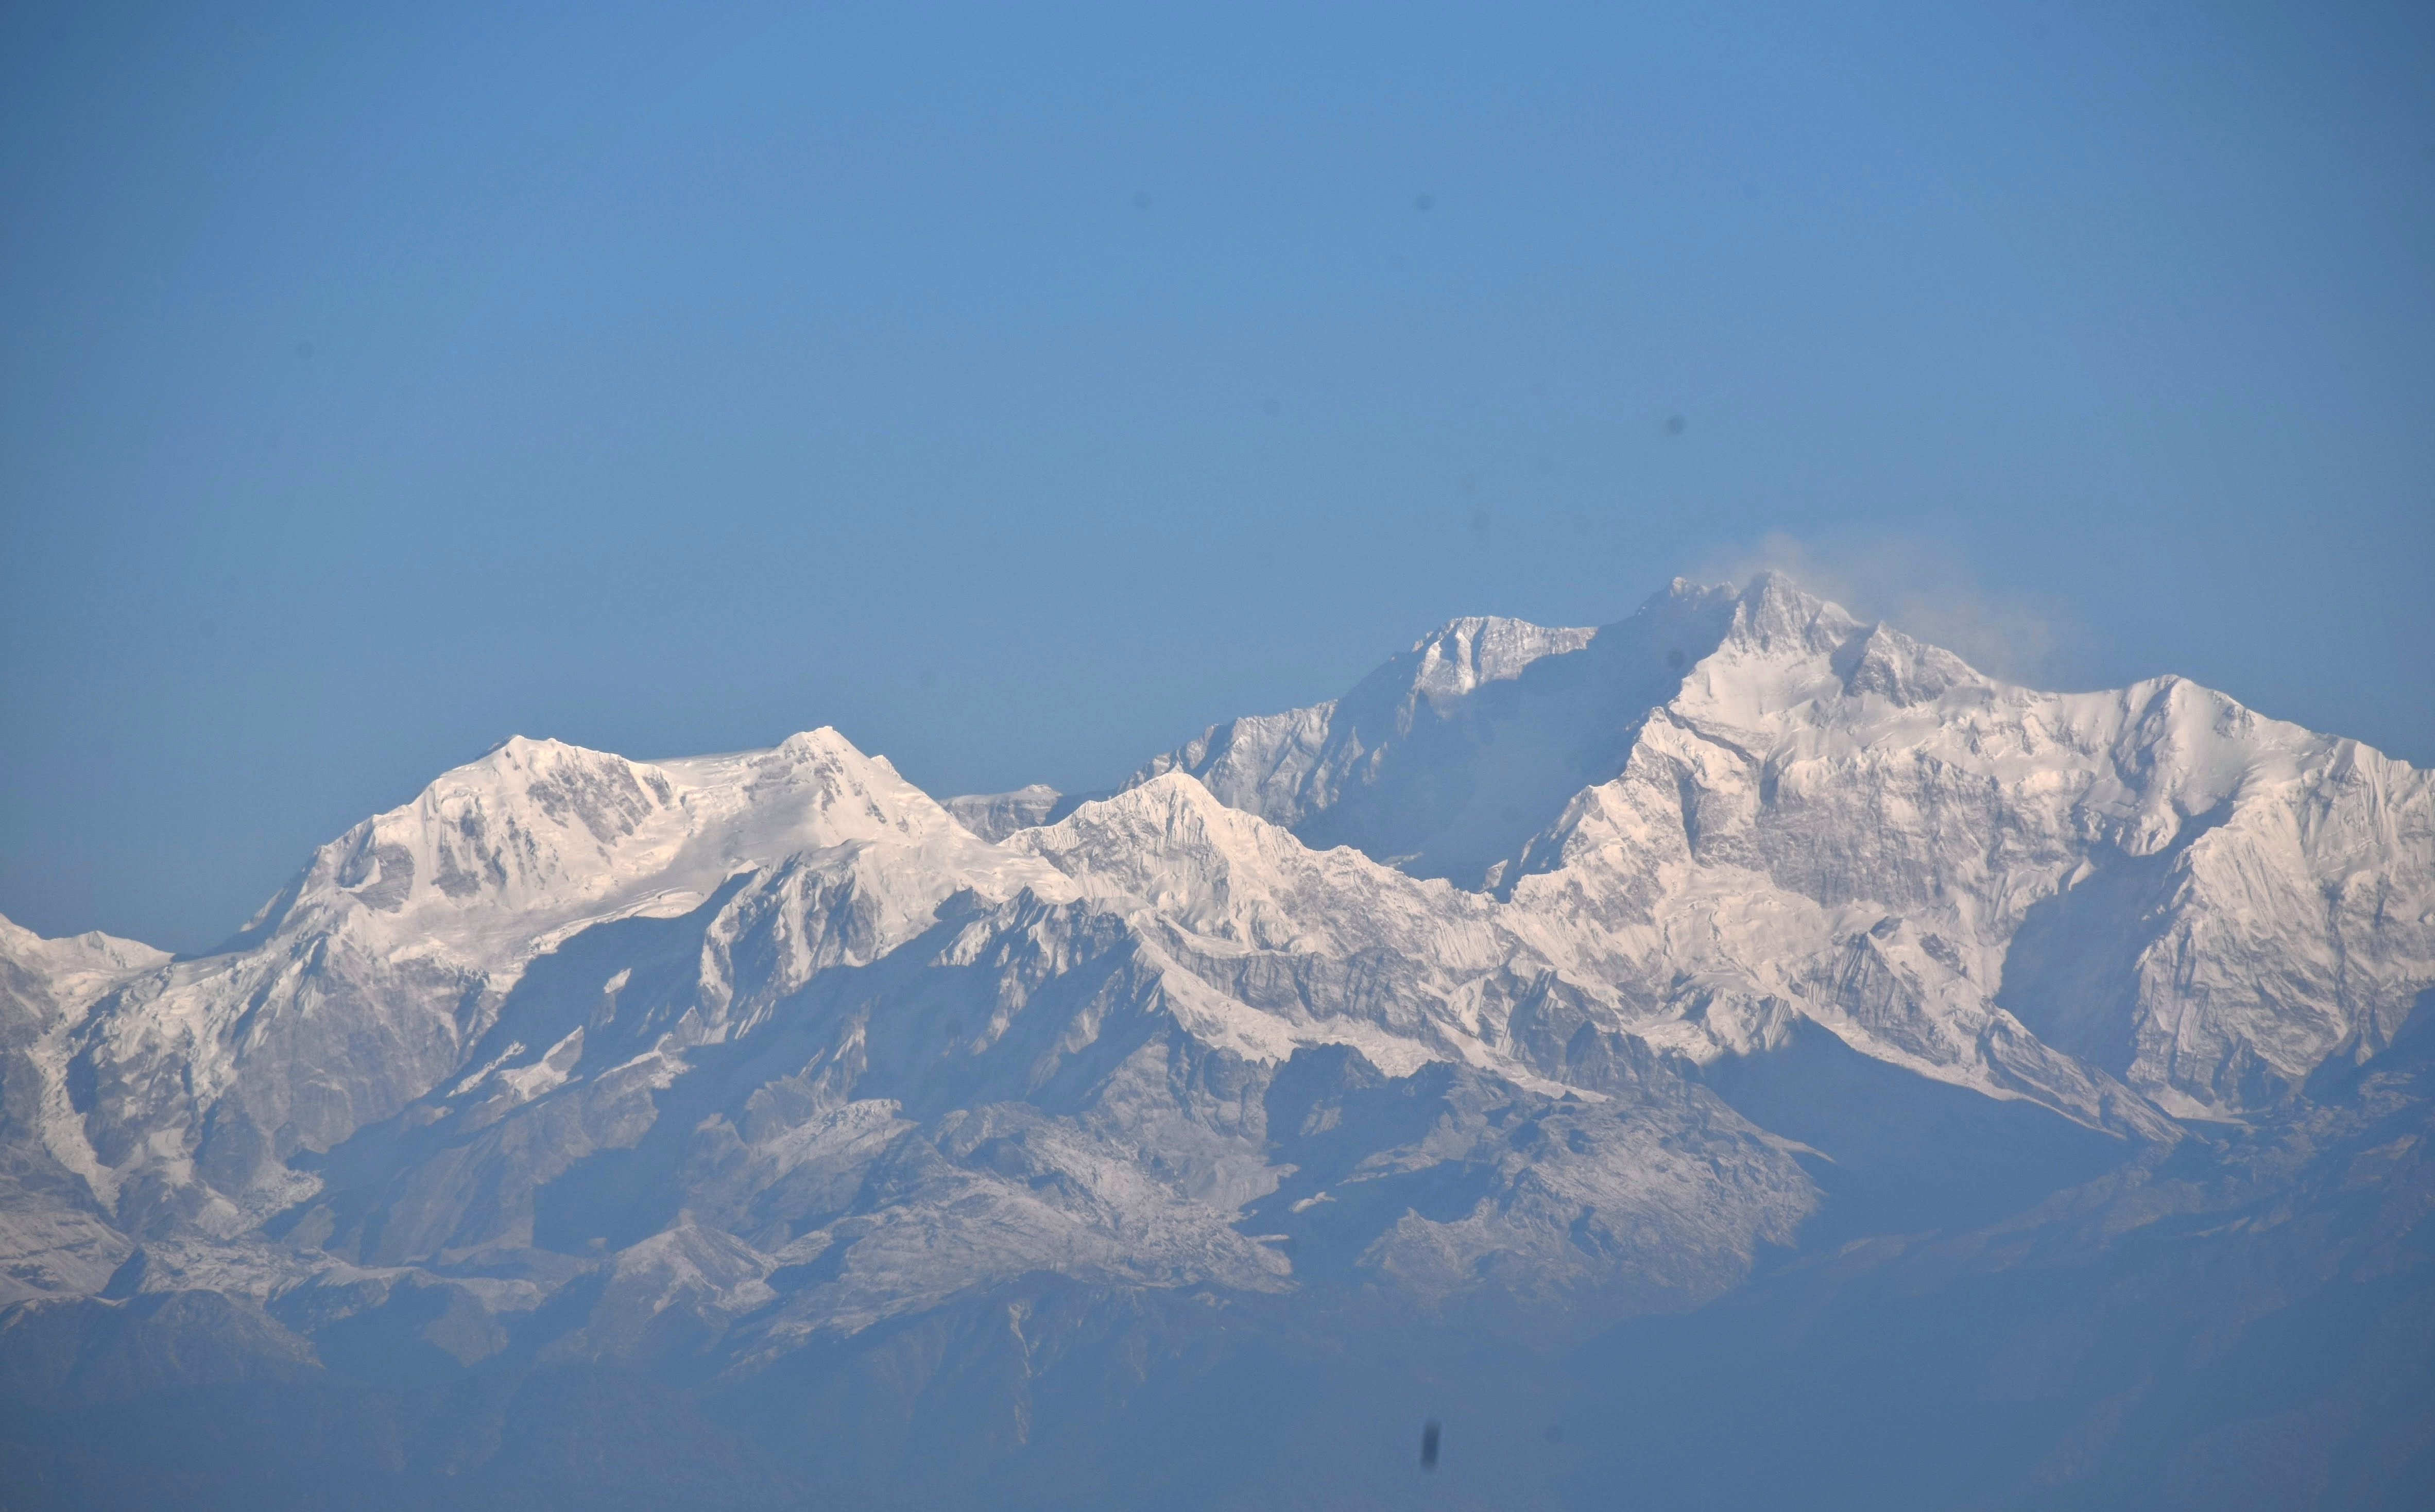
(536, 830)
(775, 1037)
(1449, 757)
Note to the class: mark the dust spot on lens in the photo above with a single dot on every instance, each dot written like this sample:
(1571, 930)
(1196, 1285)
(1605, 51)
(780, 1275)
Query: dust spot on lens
(1479, 521)
(1674, 424)
(1141, 199)
(1425, 202)
(1674, 659)
(1429, 1445)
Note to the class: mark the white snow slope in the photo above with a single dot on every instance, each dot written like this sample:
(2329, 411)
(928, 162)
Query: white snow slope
(776, 1043)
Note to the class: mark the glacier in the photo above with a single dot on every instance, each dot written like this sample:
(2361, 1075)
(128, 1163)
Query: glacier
(1553, 986)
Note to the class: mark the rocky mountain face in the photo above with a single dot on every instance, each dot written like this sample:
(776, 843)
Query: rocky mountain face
(1554, 1001)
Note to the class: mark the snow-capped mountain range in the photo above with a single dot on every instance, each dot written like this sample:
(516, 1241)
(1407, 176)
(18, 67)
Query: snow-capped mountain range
(1433, 990)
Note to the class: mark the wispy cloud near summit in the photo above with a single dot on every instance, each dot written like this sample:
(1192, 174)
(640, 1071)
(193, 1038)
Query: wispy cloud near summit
(1929, 590)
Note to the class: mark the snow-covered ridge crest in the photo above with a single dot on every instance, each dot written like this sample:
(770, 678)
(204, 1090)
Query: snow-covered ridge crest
(537, 830)
(1464, 653)
(1286, 767)
(1171, 851)
(1446, 758)
(365, 985)
(531, 827)
(76, 969)
(1849, 770)
(918, 1045)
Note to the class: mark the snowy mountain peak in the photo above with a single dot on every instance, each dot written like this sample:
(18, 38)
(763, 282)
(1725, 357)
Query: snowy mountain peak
(787, 1045)
(811, 790)
(1774, 617)
(1172, 844)
(1463, 654)
(517, 827)
(73, 969)
(1902, 671)
(540, 827)
(1544, 967)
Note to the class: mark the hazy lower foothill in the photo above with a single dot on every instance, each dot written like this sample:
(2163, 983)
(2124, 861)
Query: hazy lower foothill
(1739, 1055)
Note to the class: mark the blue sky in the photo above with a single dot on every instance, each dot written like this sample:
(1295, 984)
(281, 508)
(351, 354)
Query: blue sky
(1019, 390)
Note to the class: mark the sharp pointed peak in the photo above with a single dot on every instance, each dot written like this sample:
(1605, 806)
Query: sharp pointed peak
(819, 748)
(824, 738)
(1174, 788)
(518, 751)
(1168, 799)
(1775, 614)
(1470, 628)
(1772, 586)
(1472, 650)
(1882, 660)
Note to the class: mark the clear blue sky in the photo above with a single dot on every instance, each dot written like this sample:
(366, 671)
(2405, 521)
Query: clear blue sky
(1020, 389)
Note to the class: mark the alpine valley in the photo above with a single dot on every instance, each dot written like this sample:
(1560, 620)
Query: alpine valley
(1739, 1057)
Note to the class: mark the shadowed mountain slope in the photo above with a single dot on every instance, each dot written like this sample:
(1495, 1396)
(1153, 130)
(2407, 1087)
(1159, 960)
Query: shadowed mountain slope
(1738, 983)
